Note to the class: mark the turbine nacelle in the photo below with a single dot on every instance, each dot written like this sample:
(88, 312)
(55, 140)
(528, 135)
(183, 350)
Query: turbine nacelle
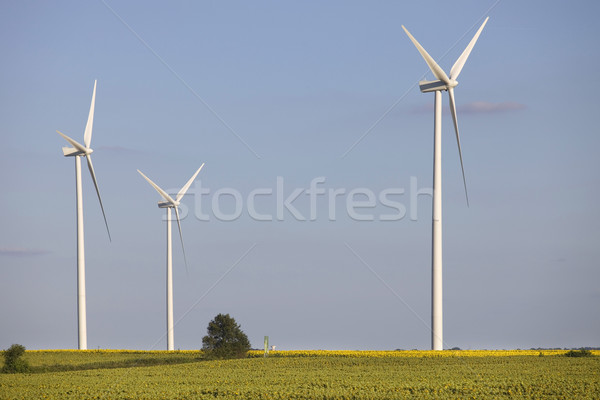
(432, 86)
(71, 151)
(167, 204)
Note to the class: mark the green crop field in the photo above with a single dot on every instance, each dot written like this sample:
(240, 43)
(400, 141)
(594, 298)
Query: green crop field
(305, 375)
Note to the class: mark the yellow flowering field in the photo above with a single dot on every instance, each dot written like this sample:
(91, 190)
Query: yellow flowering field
(408, 353)
(307, 375)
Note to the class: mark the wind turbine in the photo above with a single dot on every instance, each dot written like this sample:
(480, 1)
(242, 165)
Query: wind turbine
(448, 84)
(169, 203)
(78, 150)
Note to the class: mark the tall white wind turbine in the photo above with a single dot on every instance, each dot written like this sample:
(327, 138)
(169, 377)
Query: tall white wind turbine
(448, 84)
(78, 150)
(169, 203)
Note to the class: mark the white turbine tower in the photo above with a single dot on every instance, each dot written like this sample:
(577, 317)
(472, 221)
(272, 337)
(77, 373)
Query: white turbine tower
(169, 203)
(448, 84)
(78, 150)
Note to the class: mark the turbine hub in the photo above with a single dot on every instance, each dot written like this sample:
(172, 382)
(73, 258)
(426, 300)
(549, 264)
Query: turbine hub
(453, 83)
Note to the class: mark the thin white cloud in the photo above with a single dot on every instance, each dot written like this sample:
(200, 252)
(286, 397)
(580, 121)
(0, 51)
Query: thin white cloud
(489, 107)
(22, 252)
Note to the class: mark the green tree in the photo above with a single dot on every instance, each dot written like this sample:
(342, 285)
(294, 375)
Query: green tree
(225, 339)
(13, 363)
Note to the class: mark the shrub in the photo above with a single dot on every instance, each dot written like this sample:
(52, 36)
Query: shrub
(578, 353)
(225, 339)
(13, 363)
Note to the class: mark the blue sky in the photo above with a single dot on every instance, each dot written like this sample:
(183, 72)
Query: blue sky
(269, 91)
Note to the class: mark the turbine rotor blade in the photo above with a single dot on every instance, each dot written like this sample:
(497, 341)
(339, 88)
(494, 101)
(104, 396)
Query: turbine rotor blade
(187, 185)
(433, 66)
(181, 237)
(87, 136)
(73, 143)
(164, 194)
(91, 168)
(454, 119)
(460, 62)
